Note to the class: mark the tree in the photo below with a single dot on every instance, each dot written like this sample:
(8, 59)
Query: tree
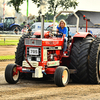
(53, 4)
(64, 4)
(39, 18)
(49, 16)
(16, 4)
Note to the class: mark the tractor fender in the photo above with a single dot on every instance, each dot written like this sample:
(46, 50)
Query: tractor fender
(82, 35)
(14, 25)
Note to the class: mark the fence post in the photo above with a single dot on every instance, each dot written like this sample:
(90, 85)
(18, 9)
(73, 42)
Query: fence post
(4, 40)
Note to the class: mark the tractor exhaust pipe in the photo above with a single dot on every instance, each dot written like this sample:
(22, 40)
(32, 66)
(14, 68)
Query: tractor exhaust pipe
(42, 26)
(43, 5)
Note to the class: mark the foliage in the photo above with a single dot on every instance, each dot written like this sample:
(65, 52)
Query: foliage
(48, 20)
(62, 17)
(22, 25)
(16, 4)
(31, 23)
(54, 5)
(49, 16)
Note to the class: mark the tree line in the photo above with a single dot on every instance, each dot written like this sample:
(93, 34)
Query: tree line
(53, 5)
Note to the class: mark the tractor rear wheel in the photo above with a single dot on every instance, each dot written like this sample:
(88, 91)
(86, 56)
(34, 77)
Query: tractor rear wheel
(85, 58)
(10, 74)
(19, 56)
(61, 76)
(94, 62)
(79, 59)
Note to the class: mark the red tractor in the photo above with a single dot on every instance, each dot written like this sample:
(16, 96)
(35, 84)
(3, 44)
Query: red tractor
(43, 56)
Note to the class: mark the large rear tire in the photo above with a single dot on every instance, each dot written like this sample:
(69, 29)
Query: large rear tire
(19, 56)
(79, 59)
(94, 62)
(85, 58)
(61, 76)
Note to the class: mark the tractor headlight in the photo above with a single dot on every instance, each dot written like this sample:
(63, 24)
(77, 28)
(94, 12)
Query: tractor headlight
(38, 59)
(29, 58)
(51, 57)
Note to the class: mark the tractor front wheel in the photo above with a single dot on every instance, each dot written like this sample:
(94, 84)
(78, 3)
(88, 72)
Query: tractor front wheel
(61, 76)
(11, 75)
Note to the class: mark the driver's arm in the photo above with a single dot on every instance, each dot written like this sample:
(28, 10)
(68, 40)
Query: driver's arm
(57, 31)
(64, 35)
(65, 32)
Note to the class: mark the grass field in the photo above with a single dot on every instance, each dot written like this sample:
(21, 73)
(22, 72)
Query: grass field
(8, 42)
(7, 57)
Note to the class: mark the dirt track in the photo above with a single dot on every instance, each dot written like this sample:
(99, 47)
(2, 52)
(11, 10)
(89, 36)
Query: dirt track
(45, 90)
(7, 50)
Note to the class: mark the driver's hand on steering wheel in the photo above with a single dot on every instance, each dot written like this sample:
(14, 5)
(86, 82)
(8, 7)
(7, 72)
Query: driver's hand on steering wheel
(59, 33)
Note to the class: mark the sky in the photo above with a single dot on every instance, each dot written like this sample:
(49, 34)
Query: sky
(32, 8)
(92, 5)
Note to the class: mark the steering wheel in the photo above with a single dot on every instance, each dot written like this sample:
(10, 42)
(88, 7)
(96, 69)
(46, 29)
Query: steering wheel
(60, 33)
(55, 33)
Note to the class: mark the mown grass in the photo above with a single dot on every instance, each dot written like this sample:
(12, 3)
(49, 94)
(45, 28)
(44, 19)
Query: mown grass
(7, 57)
(8, 42)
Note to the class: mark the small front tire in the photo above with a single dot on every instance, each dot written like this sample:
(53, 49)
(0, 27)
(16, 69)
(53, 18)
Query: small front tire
(61, 76)
(10, 74)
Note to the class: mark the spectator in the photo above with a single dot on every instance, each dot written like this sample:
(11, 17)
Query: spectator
(16, 30)
(29, 31)
(24, 30)
(28, 25)
(90, 32)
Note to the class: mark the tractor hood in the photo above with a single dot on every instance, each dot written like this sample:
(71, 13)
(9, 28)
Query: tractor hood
(46, 33)
(44, 42)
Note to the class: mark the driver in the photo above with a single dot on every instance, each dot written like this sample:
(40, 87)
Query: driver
(62, 28)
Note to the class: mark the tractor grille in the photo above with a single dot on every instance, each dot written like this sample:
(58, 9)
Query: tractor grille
(34, 57)
(33, 42)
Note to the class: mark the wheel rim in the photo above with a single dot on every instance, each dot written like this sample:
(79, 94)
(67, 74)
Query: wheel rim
(15, 75)
(65, 76)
